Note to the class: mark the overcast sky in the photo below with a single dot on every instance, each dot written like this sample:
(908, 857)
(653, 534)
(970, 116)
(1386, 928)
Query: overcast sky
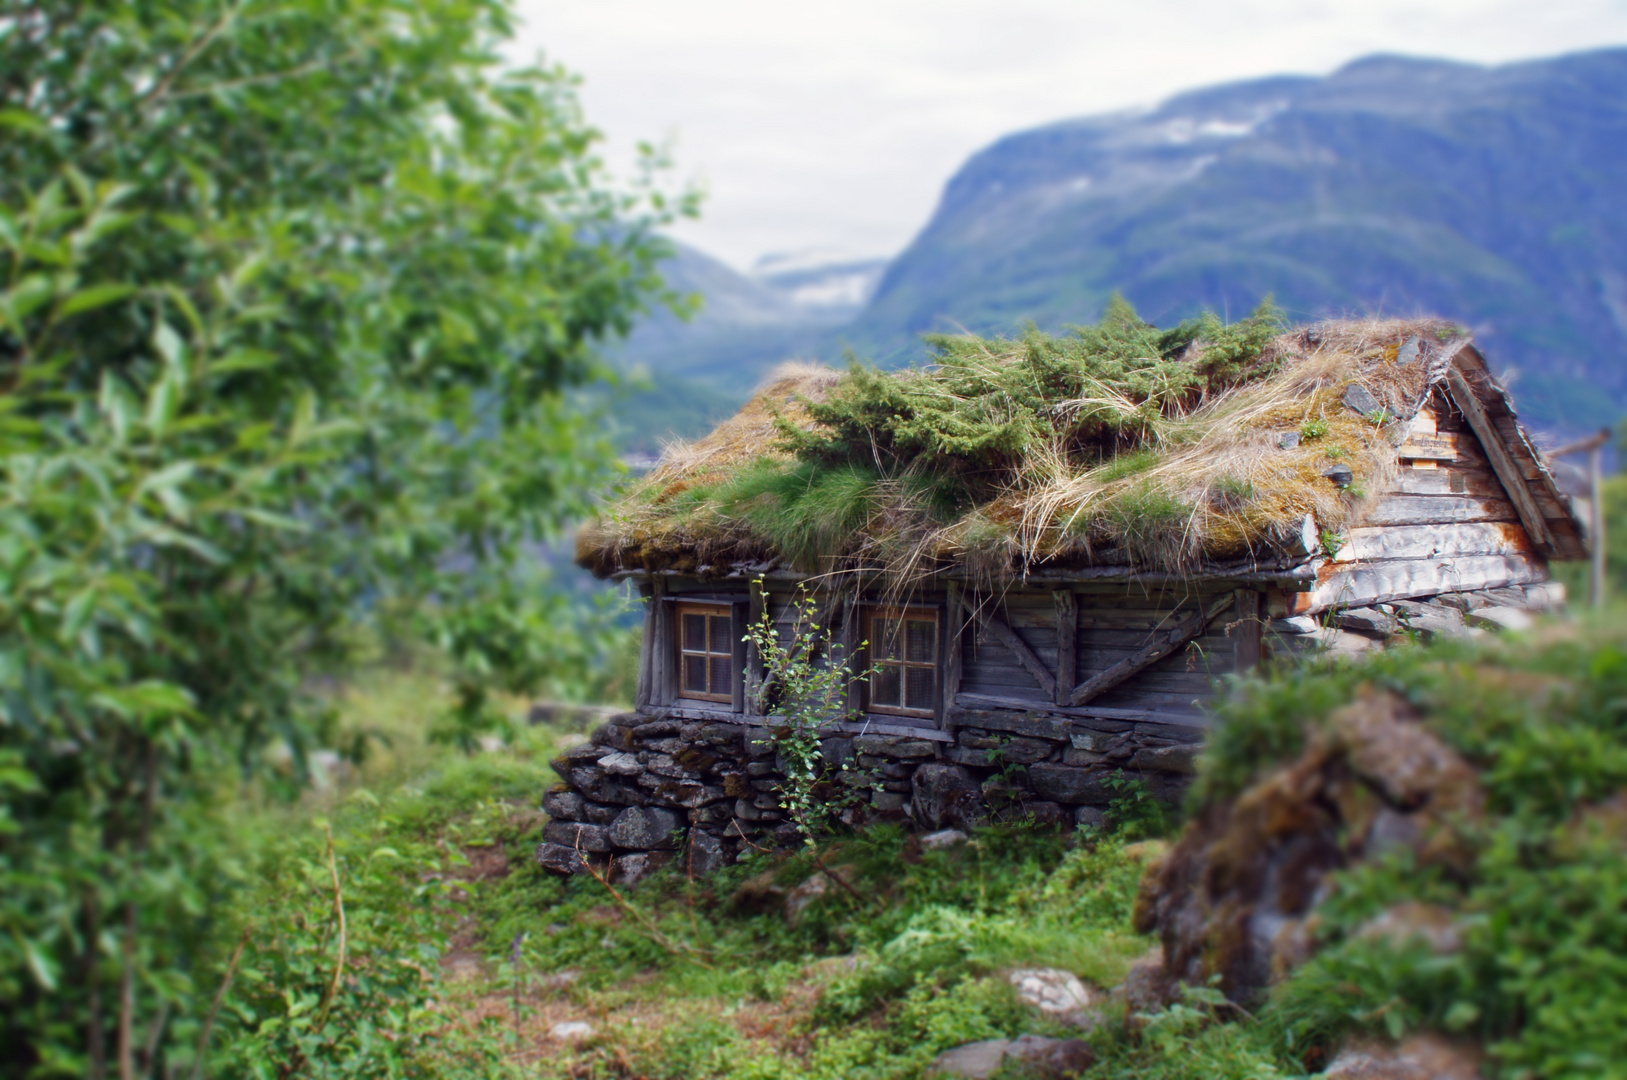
(834, 124)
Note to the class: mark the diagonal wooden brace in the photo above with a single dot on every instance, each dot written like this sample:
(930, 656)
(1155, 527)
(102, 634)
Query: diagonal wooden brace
(1159, 645)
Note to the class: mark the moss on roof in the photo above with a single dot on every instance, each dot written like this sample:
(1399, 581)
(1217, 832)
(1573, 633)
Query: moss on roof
(1117, 444)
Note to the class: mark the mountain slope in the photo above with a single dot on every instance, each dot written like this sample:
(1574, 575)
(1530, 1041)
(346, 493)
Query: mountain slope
(1494, 196)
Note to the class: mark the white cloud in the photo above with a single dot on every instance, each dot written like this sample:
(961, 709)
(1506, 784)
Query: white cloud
(836, 124)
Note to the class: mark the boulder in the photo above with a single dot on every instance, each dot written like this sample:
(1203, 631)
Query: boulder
(974, 1061)
(1089, 816)
(893, 747)
(944, 795)
(943, 839)
(621, 763)
(1022, 751)
(1066, 784)
(644, 827)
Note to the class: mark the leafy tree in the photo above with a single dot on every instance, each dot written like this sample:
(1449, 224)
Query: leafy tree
(290, 294)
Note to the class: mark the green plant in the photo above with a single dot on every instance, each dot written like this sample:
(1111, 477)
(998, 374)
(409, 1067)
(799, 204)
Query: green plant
(1313, 429)
(1331, 542)
(811, 678)
(290, 297)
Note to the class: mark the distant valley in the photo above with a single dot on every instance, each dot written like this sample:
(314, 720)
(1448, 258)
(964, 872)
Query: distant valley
(1496, 196)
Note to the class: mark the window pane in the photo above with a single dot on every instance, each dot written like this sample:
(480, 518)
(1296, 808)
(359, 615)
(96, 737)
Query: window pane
(695, 673)
(720, 675)
(886, 688)
(919, 689)
(694, 633)
(885, 643)
(921, 641)
(720, 635)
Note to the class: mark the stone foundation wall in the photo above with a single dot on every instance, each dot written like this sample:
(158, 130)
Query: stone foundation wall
(651, 788)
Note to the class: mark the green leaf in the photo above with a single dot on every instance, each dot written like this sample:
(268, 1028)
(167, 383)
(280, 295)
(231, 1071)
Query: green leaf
(95, 296)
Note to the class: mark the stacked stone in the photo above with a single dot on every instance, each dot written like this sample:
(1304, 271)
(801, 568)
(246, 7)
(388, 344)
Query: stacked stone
(1449, 615)
(646, 791)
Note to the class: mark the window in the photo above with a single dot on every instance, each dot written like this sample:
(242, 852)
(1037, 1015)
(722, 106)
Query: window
(705, 652)
(904, 649)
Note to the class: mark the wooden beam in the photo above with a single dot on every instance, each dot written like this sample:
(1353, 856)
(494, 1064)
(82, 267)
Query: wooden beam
(1438, 510)
(1358, 585)
(1439, 541)
(1247, 632)
(1502, 462)
(952, 653)
(663, 649)
(754, 661)
(1160, 645)
(851, 639)
(646, 649)
(1067, 642)
(1008, 637)
(739, 617)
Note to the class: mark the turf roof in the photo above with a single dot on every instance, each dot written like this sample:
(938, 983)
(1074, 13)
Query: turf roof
(1115, 445)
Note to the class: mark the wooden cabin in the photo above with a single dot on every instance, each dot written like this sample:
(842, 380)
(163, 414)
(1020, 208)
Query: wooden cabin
(1372, 480)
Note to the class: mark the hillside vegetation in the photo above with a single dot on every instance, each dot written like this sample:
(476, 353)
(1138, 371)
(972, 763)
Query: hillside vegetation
(768, 969)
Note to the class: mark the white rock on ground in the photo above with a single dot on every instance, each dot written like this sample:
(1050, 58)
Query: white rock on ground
(1054, 992)
(1500, 618)
(975, 1061)
(944, 838)
(571, 1030)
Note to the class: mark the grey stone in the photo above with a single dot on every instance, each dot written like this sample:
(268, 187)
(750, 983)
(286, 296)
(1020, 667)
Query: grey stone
(599, 813)
(938, 792)
(563, 806)
(1065, 784)
(838, 752)
(719, 813)
(765, 784)
(1022, 751)
(706, 853)
(1080, 758)
(1409, 351)
(1053, 991)
(1051, 1059)
(644, 827)
(1361, 399)
(887, 800)
(687, 794)
(759, 768)
(1176, 759)
(903, 787)
(1340, 474)
(1289, 440)
(976, 757)
(1089, 816)
(601, 788)
(1545, 596)
(1093, 741)
(633, 867)
(893, 747)
(621, 764)
(975, 1061)
(1045, 815)
(1500, 618)
(942, 839)
(1368, 620)
(574, 834)
(746, 811)
(613, 736)
(656, 729)
(1167, 787)
(571, 1031)
(560, 859)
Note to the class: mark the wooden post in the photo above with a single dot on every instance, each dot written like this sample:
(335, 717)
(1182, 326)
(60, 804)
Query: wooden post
(646, 648)
(754, 662)
(1595, 475)
(663, 659)
(850, 638)
(1067, 644)
(1247, 632)
(952, 622)
(739, 617)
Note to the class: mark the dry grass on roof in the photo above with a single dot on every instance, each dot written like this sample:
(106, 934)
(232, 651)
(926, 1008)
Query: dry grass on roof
(1198, 484)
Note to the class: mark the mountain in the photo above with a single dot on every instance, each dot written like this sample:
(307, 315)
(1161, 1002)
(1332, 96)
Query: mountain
(689, 374)
(1496, 196)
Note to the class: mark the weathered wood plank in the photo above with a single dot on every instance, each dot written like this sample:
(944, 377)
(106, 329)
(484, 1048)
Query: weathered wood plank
(1008, 637)
(1374, 583)
(1433, 541)
(1502, 462)
(754, 661)
(1246, 631)
(1438, 509)
(644, 694)
(954, 652)
(1159, 646)
(1067, 642)
(1452, 446)
(985, 701)
(664, 651)
(739, 616)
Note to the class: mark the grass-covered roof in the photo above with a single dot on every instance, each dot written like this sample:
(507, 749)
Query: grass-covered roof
(1117, 444)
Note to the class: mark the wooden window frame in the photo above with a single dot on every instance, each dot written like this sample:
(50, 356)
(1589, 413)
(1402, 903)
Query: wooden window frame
(931, 709)
(681, 650)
